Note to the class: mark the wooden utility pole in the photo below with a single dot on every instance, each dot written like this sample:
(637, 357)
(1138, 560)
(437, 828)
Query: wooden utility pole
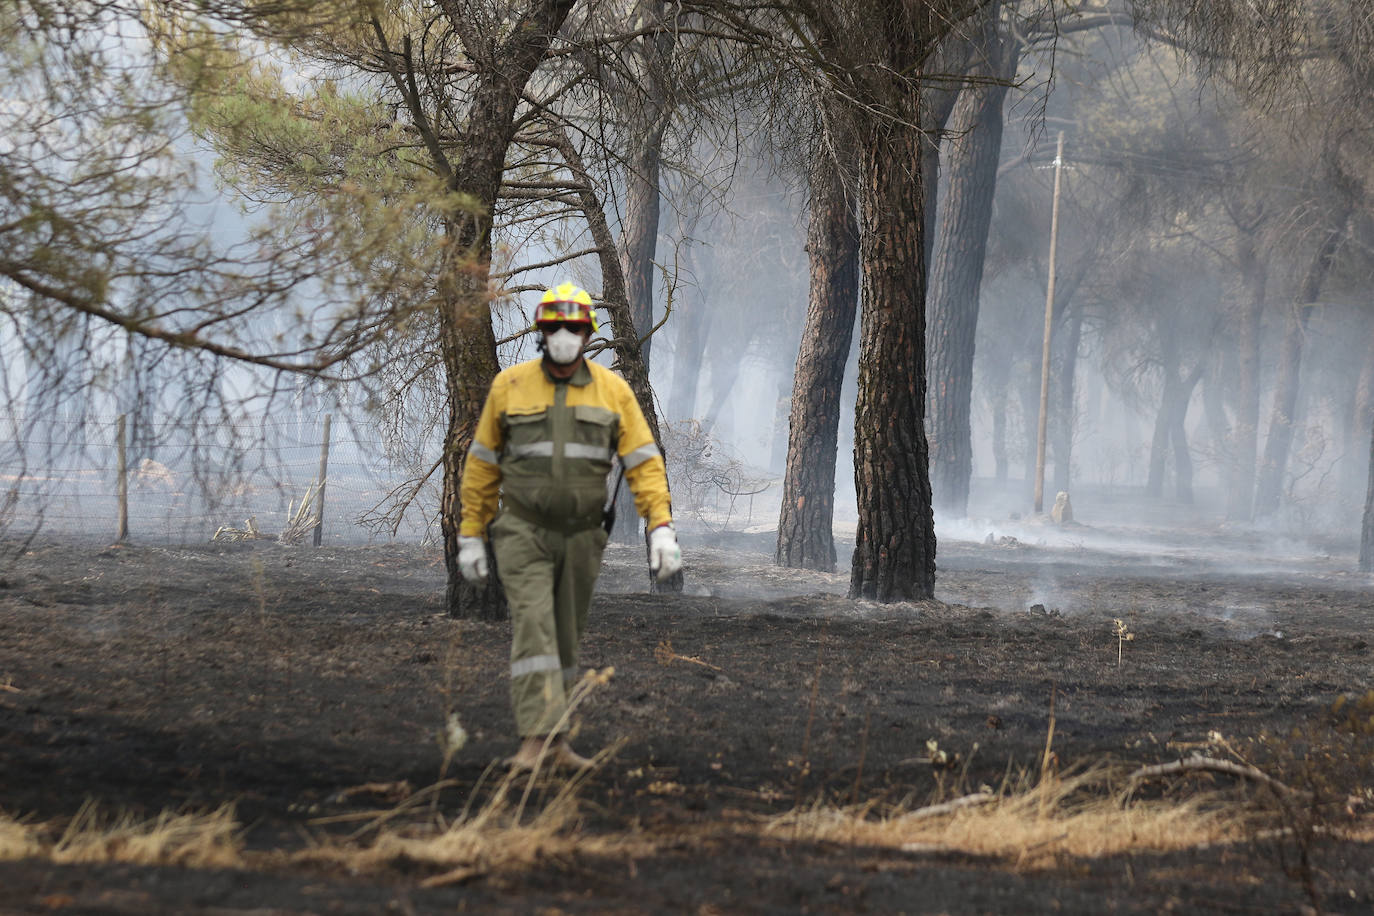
(324, 473)
(122, 482)
(1049, 328)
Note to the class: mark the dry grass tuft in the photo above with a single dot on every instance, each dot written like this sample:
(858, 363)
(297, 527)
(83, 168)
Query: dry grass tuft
(1075, 816)
(18, 840)
(209, 840)
(496, 838)
(194, 840)
(301, 519)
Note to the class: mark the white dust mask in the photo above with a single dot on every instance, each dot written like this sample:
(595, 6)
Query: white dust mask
(563, 346)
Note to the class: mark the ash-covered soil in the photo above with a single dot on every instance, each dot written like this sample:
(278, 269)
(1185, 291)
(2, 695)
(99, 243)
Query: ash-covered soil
(282, 679)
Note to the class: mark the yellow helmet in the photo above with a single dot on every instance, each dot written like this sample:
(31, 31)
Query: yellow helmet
(566, 302)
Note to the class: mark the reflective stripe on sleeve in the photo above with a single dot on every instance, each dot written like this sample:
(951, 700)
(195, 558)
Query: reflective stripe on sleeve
(478, 450)
(535, 664)
(578, 450)
(531, 450)
(640, 455)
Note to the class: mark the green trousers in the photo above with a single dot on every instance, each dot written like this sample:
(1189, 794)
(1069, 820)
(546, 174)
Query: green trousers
(548, 577)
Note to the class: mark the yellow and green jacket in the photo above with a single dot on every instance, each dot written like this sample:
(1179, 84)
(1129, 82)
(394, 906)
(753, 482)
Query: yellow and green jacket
(544, 447)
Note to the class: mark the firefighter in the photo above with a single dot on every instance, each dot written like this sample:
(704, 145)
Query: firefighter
(544, 446)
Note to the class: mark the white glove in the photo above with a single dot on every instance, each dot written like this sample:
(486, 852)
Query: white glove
(472, 560)
(665, 556)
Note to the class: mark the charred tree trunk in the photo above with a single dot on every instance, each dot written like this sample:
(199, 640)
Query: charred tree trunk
(1214, 412)
(466, 340)
(1244, 446)
(692, 319)
(1279, 442)
(937, 104)
(1169, 430)
(648, 113)
(723, 379)
(1164, 417)
(1030, 412)
(894, 553)
(468, 346)
(1361, 419)
(1178, 436)
(1159, 443)
(630, 359)
(806, 524)
(956, 275)
(640, 241)
(626, 332)
(1183, 459)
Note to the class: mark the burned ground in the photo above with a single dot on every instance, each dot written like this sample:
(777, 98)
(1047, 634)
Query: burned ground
(282, 680)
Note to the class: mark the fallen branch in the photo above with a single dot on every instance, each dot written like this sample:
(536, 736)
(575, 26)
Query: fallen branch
(665, 656)
(949, 807)
(456, 876)
(389, 791)
(249, 531)
(1204, 764)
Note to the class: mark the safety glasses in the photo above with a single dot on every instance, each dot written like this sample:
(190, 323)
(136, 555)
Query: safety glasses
(577, 327)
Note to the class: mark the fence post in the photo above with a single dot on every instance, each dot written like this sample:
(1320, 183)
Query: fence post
(122, 482)
(319, 493)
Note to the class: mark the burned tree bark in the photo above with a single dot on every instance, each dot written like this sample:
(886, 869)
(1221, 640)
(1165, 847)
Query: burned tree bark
(1029, 397)
(874, 53)
(1279, 442)
(647, 110)
(1361, 418)
(692, 318)
(805, 528)
(630, 358)
(956, 271)
(937, 105)
(1183, 458)
(1240, 492)
(894, 553)
(641, 228)
(466, 338)
(1169, 432)
(468, 347)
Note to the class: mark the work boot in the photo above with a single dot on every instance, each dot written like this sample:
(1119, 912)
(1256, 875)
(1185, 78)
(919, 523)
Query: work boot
(531, 754)
(566, 757)
(559, 754)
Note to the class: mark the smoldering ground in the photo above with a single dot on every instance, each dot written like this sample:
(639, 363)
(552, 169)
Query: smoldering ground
(767, 735)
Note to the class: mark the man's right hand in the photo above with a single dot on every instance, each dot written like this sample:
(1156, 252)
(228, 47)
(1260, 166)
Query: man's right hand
(665, 557)
(472, 560)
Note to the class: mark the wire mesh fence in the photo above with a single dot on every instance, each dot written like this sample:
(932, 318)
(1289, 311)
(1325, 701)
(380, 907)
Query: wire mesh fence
(186, 480)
